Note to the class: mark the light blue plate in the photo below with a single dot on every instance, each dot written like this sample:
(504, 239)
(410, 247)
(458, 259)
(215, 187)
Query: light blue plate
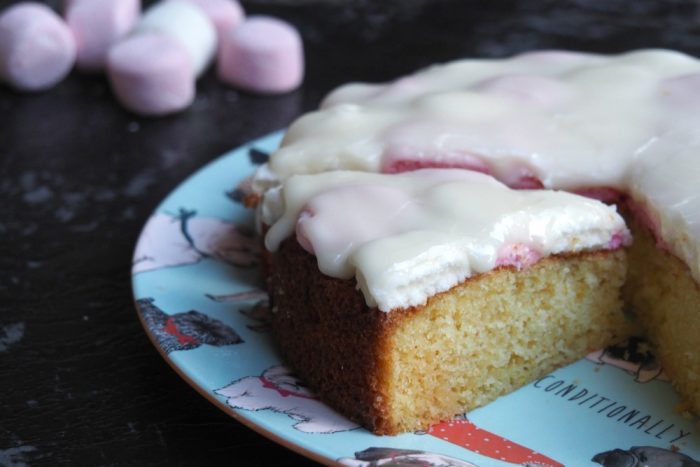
(199, 296)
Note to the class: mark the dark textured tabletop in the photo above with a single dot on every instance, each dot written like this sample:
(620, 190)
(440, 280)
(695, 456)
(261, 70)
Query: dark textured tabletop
(80, 383)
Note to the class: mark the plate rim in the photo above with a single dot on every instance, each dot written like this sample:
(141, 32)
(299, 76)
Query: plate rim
(231, 412)
(263, 428)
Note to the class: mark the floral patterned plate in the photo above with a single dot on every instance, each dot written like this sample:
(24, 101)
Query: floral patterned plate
(198, 293)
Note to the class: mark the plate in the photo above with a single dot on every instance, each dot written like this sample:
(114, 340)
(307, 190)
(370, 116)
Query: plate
(199, 295)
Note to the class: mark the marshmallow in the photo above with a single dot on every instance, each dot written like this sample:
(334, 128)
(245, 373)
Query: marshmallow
(187, 24)
(263, 55)
(225, 14)
(37, 50)
(69, 3)
(97, 25)
(151, 74)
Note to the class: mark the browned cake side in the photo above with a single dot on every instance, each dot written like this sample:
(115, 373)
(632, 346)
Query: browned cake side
(329, 336)
(662, 292)
(403, 370)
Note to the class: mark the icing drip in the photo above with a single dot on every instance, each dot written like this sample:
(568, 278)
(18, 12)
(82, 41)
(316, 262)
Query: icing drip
(408, 236)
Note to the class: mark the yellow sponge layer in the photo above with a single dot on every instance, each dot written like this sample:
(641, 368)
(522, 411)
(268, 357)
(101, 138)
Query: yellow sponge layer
(666, 299)
(498, 331)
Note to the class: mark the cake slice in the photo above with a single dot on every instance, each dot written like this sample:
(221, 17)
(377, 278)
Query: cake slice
(405, 299)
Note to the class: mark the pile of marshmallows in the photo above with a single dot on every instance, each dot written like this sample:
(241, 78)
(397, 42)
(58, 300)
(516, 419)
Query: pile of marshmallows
(152, 60)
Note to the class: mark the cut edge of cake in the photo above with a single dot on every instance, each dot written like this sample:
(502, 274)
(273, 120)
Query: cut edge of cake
(488, 336)
(665, 298)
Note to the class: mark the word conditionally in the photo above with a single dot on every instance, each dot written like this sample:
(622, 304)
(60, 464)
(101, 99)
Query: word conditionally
(653, 426)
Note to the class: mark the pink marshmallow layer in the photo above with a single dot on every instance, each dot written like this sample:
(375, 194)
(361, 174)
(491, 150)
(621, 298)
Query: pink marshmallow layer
(151, 74)
(37, 50)
(97, 25)
(263, 55)
(518, 177)
(517, 255)
(521, 256)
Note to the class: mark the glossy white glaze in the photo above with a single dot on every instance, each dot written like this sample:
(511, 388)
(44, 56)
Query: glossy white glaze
(560, 120)
(408, 236)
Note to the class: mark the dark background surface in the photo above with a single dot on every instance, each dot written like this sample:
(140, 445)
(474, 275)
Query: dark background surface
(80, 383)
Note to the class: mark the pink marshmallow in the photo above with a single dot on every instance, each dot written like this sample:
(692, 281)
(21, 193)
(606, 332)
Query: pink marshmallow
(517, 255)
(263, 55)
(37, 50)
(519, 177)
(607, 195)
(97, 25)
(620, 239)
(225, 14)
(399, 157)
(151, 74)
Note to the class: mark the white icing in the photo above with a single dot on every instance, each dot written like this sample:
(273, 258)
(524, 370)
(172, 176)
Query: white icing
(673, 198)
(409, 236)
(574, 119)
(569, 120)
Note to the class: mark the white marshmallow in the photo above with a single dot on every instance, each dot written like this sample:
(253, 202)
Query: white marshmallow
(185, 23)
(97, 25)
(225, 14)
(263, 55)
(151, 74)
(37, 50)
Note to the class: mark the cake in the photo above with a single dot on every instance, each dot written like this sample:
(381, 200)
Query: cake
(423, 256)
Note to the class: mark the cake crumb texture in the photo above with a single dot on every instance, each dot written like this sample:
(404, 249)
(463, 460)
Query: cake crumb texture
(661, 291)
(491, 334)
